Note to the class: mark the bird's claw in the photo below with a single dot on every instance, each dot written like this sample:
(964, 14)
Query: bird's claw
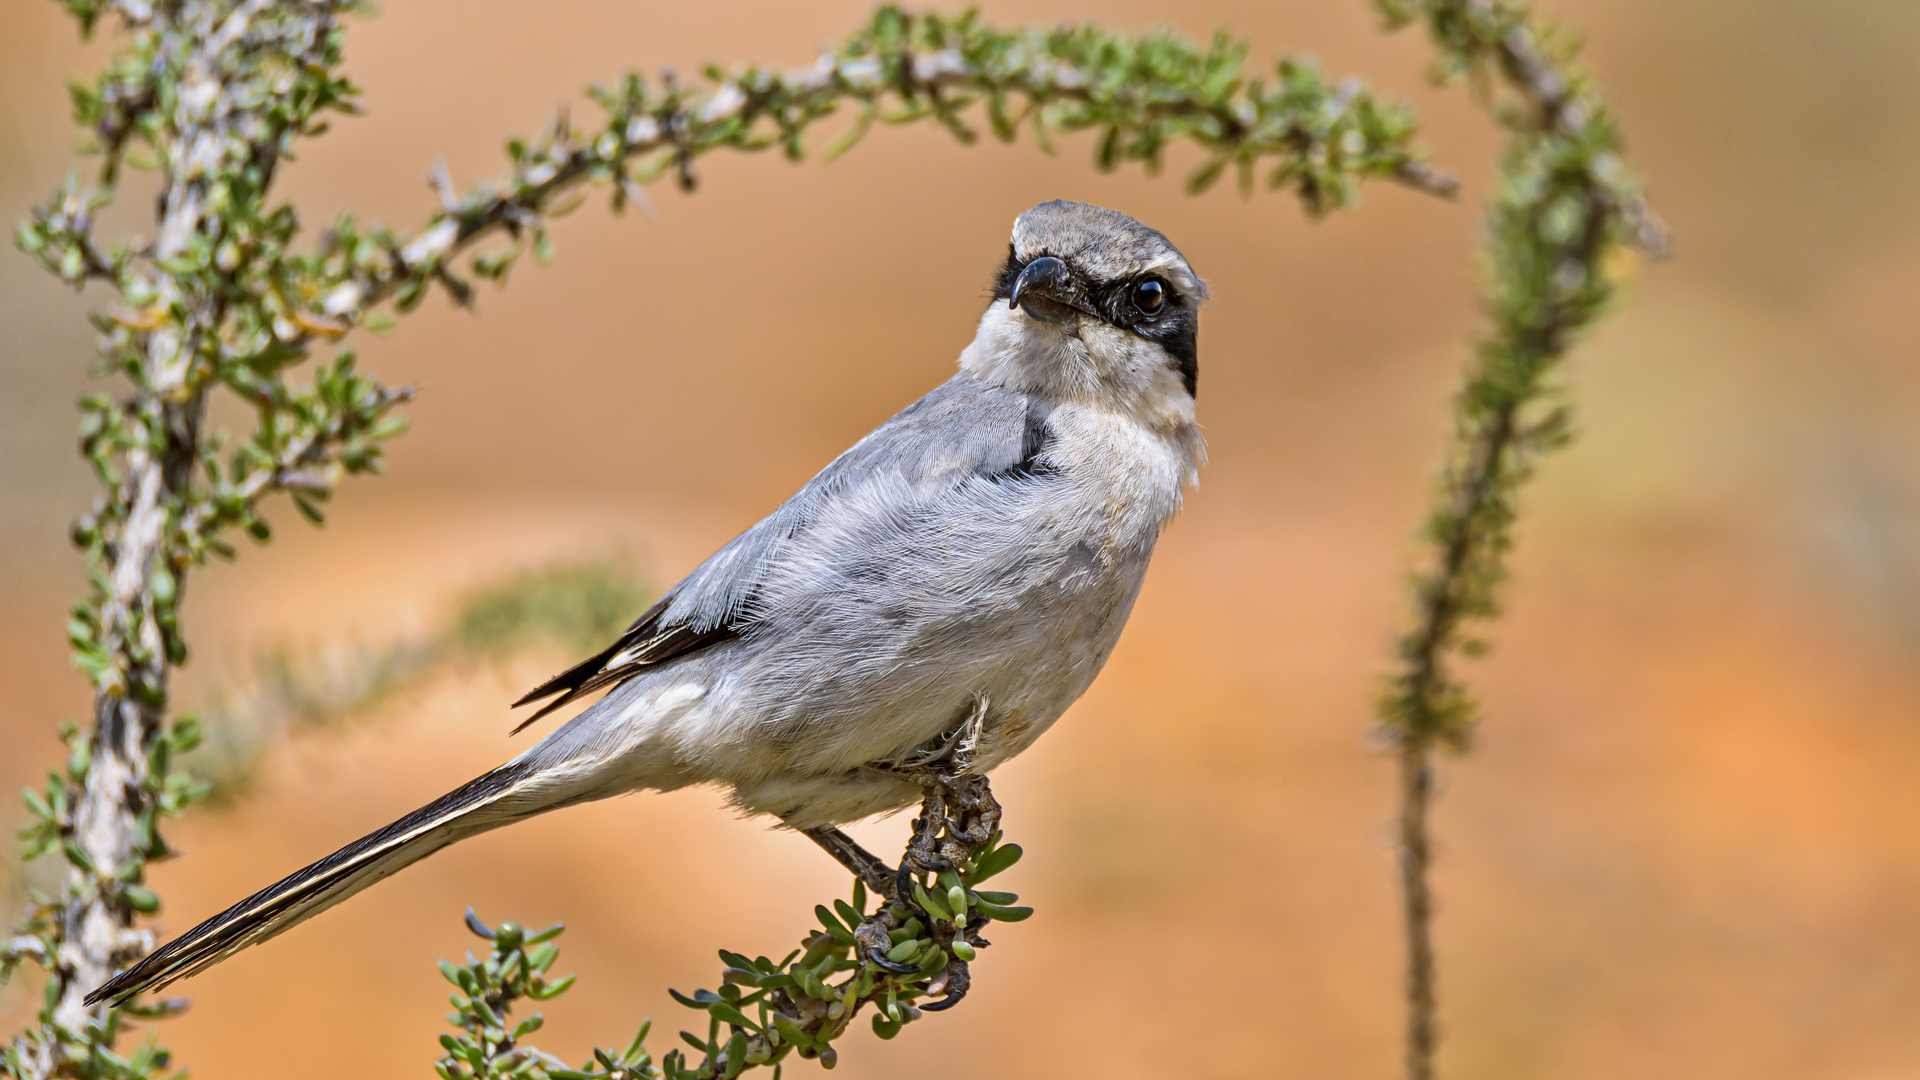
(953, 998)
(955, 980)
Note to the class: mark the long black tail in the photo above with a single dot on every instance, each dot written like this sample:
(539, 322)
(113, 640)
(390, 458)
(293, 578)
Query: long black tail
(501, 796)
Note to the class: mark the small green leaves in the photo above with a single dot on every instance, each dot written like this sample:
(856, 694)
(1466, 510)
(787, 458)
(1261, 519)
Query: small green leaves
(514, 968)
(1001, 912)
(1563, 211)
(1563, 206)
(1140, 95)
(929, 905)
(903, 960)
(832, 924)
(479, 928)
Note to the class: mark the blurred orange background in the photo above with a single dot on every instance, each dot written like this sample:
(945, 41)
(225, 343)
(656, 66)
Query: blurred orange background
(1686, 844)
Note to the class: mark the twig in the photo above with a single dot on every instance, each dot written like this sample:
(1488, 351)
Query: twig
(1565, 113)
(1416, 791)
(1564, 203)
(902, 68)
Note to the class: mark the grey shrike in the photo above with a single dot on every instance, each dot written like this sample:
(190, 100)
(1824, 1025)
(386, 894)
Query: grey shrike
(960, 574)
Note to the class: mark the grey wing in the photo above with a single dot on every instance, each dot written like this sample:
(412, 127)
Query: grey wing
(963, 431)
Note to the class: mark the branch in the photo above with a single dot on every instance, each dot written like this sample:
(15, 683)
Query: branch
(1565, 113)
(217, 137)
(1565, 206)
(1142, 95)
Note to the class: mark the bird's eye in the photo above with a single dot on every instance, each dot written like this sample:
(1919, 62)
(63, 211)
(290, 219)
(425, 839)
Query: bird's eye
(1150, 296)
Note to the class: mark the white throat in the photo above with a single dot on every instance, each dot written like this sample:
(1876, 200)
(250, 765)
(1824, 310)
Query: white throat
(1087, 362)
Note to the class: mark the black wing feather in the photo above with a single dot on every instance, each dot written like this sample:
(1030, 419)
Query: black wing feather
(653, 641)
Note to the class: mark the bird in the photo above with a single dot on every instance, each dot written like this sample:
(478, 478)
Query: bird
(959, 576)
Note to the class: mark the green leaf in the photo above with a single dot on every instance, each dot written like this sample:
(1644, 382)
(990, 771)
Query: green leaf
(1206, 175)
(639, 1043)
(827, 919)
(928, 904)
(554, 989)
(849, 912)
(997, 861)
(731, 1015)
(1003, 914)
(308, 510)
(791, 1033)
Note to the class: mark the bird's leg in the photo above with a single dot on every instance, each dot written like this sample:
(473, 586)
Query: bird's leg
(976, 813)
(923, 848)
(864, 864)
(958, 815)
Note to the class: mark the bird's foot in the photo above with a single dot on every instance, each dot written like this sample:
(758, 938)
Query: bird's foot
(957, 815)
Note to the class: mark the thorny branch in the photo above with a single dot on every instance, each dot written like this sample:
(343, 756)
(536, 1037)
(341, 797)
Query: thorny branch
(217, 139)
(1142, 95)
(1565, 208)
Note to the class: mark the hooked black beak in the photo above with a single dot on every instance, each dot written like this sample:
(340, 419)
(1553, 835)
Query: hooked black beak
(1044, 290)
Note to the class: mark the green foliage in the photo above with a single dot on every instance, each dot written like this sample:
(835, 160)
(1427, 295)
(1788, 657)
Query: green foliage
(485, 991)
(1559, 230)
(1140, 94)
(578, 605)
(1558, 234)
(166, 792)
(896, 958)
(211, 304)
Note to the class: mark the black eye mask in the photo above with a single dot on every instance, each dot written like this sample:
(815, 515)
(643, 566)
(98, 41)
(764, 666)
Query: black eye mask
(1173, 324)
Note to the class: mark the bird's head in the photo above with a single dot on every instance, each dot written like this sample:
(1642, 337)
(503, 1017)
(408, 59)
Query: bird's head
(1096, 307)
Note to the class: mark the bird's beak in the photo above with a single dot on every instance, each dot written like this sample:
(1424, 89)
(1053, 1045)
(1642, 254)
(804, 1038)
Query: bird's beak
(1044, 290)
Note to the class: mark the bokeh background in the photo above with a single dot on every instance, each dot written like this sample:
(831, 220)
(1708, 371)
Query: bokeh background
(1686, 844)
